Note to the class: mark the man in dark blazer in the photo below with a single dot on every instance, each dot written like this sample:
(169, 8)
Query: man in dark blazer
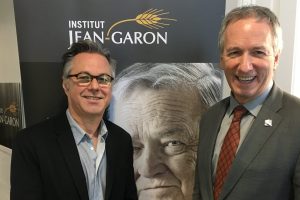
(76, 155)
(266, 164)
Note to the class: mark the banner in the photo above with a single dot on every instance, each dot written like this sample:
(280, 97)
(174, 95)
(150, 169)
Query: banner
(134, 31)
(11, 112)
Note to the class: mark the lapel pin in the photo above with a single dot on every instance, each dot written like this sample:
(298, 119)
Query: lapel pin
(268, 122)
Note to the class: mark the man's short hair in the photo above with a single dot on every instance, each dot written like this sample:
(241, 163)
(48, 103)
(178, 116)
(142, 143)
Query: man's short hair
(260, 14)
(85, 46)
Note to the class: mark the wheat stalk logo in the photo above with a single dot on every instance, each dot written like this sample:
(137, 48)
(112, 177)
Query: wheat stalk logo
(151, 19)
(11, 108)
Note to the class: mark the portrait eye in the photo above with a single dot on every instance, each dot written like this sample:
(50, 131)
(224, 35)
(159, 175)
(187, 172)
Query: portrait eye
(174, 147)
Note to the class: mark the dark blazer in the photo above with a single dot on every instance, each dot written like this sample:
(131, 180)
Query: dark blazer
(46, 165)
(267, 165)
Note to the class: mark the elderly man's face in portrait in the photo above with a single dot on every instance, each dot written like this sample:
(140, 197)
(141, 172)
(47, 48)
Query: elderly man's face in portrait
(164, 127)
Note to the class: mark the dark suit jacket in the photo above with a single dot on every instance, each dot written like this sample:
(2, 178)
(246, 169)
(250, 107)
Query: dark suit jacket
(267, 165)
(46, 165)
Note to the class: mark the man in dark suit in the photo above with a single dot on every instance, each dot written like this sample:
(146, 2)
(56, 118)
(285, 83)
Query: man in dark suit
(76, 155)
(262, 161)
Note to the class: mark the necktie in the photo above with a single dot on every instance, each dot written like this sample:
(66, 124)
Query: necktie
(228, 150)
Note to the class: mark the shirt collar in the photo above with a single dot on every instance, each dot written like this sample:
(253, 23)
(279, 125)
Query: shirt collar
(78, 133)
(253, 106)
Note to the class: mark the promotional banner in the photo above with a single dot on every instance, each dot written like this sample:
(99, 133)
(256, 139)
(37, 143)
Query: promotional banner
(134, 31)
(11, 112)
(167, 75)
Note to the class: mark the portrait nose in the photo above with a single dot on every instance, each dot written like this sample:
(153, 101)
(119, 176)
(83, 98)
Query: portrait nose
(245, 63)
(150, 163)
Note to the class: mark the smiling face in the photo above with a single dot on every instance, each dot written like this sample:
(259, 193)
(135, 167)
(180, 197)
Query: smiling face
(248, 59)
(164, 127)
(91, 100)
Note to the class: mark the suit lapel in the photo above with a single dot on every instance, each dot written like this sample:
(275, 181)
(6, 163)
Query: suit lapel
(111, 152)
(212, 128)
(255, 140)
(70, 153)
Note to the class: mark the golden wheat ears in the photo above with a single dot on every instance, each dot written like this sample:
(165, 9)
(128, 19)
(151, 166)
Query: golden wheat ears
(150, 19)
(12, 108)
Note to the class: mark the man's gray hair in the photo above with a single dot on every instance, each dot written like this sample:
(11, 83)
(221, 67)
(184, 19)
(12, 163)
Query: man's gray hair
(260, 14)
(85, 46)
(201, 78)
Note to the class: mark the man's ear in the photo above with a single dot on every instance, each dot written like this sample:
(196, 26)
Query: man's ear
(66, 86)
(221, 64)
(276, 60)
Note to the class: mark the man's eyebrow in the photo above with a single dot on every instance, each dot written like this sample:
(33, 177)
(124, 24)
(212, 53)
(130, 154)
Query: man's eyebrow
(165, 132)
(232, 49)
(260, 48)
(180, 133)
(172, 131)
(135, 137)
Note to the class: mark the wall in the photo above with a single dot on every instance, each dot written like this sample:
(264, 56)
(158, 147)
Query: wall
(5, 154)
(9, 72)
(296, 70)
(9, 65)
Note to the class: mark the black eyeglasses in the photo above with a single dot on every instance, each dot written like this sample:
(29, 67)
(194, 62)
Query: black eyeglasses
(85, 79)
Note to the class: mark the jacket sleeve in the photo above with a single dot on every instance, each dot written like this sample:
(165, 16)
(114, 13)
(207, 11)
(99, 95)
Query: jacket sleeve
(26, 183)
(131, 191)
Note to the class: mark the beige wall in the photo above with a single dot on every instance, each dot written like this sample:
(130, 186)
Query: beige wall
(9, 58)
(9, 73)
(5, 154)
